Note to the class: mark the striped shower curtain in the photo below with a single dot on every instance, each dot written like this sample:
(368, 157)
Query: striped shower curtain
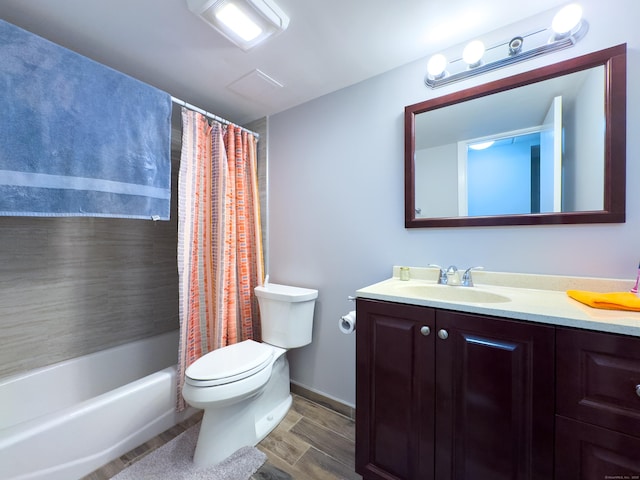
(219, 239)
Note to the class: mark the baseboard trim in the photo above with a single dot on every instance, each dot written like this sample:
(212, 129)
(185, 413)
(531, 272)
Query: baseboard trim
(330, 403)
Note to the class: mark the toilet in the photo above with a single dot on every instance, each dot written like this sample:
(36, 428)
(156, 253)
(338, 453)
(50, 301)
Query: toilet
(244, 388)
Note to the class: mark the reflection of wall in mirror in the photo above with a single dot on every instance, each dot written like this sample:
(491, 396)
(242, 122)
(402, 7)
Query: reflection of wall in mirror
(436, 177)
(551, 157)
(499, 178)
(585, 147)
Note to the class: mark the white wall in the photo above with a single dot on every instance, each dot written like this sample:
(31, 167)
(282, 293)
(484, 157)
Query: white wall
(589, 146)
(337, 200)
(436, 174)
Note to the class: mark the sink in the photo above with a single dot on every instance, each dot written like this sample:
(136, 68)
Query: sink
(450, 294)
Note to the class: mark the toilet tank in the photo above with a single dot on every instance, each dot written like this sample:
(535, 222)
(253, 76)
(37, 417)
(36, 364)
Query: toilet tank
(286, 314)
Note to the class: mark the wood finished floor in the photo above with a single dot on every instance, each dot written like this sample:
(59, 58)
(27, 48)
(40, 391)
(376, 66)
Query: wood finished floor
(311, 443)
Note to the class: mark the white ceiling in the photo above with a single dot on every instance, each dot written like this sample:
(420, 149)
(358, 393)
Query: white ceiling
(329, 45)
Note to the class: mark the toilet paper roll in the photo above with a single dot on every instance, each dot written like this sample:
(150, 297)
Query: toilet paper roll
(347, 323)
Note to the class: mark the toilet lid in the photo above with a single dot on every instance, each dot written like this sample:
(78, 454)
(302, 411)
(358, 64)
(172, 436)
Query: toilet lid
(229, 364)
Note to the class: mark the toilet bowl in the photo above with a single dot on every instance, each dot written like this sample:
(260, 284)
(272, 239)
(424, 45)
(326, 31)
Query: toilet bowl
(244, 388)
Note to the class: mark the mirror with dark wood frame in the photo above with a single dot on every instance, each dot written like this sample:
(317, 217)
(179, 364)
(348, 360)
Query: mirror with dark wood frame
(557, 155)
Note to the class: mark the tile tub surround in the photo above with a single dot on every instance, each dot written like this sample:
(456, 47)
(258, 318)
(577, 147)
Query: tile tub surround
(536, 298)
(74, 286)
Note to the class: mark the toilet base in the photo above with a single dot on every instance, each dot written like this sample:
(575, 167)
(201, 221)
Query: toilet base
(225, 429)
(266, 424)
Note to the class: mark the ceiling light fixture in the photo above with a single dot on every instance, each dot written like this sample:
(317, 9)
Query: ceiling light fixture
(481, 145)
(246, 23)
(567, 28)
(237, 21)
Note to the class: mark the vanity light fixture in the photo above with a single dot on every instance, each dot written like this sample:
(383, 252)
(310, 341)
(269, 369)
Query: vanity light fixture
(567, 28)
(245, 22)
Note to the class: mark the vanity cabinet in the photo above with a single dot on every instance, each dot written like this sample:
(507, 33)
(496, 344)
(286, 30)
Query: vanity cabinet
(598, 406)
(449, 395)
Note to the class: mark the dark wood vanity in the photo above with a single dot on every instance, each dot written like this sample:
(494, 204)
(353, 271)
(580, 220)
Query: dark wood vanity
(442, 394)
(448, 391)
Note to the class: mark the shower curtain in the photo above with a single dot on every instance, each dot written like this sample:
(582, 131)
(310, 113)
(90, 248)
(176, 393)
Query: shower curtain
(220, 258)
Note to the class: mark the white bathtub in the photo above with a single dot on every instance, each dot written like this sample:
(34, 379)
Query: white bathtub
(66, 420)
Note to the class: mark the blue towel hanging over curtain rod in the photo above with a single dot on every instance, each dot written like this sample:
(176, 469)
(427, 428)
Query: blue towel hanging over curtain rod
(78, 138)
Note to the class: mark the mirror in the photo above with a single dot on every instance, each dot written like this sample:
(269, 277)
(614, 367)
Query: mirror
(543, 147)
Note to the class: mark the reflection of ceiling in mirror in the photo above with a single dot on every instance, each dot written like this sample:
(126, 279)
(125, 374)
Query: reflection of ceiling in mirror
(515, 109)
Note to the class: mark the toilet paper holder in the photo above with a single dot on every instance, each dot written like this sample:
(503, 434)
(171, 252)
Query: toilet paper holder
(347, 323)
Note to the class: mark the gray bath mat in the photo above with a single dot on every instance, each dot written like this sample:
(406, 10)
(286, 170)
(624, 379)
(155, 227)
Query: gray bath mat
(173, 461)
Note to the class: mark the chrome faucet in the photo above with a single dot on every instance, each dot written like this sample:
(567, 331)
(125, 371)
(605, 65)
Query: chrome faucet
(467, 281)
(453, 277)
(442, 277)
(449, 276)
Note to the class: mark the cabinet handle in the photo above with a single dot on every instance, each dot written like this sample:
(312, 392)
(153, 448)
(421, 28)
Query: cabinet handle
(426, 331)
(638, 390)
(443, 334)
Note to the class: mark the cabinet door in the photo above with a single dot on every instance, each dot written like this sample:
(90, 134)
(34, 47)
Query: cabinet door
(394, 391)
(587, 452)
(494, 398)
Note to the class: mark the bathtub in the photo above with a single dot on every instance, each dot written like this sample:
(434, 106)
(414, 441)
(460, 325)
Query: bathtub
(67, 420)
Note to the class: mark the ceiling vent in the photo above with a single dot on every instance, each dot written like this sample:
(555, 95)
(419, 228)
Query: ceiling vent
(256, 86)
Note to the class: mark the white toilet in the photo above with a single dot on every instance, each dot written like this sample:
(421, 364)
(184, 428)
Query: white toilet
(244, 388)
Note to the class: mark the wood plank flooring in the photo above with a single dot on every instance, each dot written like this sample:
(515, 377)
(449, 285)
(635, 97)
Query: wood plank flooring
(311, 443)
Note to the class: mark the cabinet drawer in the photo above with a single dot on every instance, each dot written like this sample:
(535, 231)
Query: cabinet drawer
(598, 379)
(587, 452)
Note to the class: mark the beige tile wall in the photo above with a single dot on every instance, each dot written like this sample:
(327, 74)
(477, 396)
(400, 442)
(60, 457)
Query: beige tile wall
(72, 286)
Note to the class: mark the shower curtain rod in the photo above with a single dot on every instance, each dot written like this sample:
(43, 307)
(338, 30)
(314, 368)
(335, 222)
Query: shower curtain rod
(211, 115)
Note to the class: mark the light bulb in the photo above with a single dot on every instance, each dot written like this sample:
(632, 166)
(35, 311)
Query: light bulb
(437, 65)
(567, 19)
(473, 52)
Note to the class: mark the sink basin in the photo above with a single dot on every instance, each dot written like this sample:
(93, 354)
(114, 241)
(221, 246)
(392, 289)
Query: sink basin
(451, 294)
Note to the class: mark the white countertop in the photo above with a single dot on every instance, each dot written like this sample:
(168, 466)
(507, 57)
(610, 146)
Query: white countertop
(535, 298)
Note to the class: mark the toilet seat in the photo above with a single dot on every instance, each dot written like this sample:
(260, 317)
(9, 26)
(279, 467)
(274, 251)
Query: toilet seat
(229, 364)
